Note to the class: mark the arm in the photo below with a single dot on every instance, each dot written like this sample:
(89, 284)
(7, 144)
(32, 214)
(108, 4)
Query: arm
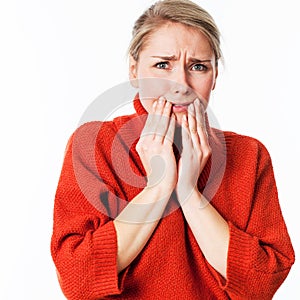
(254, 258)
(260, 253)
(140, 217)
(84, 239)
(88, 247)
(136, 223)
(210, 229)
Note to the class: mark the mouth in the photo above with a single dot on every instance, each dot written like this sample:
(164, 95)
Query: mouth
(179, 108)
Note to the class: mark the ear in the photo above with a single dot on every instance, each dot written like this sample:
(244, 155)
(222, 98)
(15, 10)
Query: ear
(133, 72)
(215, 81)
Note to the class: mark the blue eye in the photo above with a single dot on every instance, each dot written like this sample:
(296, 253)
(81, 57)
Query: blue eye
(161, 65)
(199, 67)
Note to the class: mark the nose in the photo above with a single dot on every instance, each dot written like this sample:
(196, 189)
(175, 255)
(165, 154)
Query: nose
(180, 85)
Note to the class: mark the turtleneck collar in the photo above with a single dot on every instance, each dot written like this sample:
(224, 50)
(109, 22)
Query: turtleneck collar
(138, 106)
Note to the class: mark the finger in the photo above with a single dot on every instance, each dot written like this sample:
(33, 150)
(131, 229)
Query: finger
(153, 118)
(200, 118)
(193, 126)
(160, 106)
(203, 116)
(163, 121)
(151, 121)
(185, 133)
(199, 113)
(169, 138)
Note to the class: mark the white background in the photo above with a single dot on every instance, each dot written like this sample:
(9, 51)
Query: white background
(57, 56)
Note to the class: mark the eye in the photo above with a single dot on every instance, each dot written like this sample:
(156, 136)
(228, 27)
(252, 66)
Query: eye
(199, 67)
(162, 65)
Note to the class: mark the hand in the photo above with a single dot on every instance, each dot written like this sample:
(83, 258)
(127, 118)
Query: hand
(155, 147)
(195, 152)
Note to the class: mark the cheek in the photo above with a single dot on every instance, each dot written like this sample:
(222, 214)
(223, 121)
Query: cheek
(147, 104)
(203, 89)
(151, 89)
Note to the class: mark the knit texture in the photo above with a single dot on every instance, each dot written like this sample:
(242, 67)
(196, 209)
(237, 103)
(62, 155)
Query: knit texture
(102, 172)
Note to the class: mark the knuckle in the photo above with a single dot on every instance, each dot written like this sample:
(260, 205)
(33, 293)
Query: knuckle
(200, 126)
(200, 155)
(194, 131)
(207, 151)
(141, 147)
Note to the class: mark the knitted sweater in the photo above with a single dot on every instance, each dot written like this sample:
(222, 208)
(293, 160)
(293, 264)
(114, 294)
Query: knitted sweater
(102, 172)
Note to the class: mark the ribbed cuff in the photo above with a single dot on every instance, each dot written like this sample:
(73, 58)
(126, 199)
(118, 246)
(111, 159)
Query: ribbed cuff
(105, 244)
(238, 261)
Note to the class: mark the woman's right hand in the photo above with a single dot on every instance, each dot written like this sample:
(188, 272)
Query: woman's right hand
(155, 147)
(137, 221)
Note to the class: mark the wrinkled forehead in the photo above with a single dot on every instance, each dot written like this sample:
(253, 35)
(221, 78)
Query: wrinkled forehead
(170, 37)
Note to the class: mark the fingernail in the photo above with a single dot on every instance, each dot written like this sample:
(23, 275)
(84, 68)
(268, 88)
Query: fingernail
(154, 104)
(197, 101)
(161, 99)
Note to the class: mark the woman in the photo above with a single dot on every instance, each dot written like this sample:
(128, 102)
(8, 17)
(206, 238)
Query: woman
(159, 205)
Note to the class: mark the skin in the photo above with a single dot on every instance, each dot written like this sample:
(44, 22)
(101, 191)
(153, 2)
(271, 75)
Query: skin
(183, 72)
(181, 64)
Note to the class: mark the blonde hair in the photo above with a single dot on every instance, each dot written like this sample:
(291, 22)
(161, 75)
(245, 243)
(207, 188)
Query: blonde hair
(179, 11)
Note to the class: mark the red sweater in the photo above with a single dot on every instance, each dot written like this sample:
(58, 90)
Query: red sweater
(102, 171)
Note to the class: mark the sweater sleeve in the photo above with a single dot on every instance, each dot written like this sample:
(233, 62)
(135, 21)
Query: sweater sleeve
(84, 242)
(260, 256)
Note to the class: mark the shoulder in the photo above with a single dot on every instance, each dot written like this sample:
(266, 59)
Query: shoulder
(246, 150)
(247, 144)
(103, 130)
(87, 129)
(87, 135)
(248, 157)
(99, 136)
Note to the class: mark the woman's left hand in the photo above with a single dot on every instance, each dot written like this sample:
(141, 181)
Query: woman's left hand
(195, 152)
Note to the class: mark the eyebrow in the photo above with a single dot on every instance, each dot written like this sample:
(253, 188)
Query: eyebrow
(173, 57)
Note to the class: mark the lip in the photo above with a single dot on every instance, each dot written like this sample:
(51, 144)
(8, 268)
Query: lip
(180, 107)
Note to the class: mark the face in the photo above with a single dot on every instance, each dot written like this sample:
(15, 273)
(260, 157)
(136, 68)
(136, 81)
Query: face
(178, 63)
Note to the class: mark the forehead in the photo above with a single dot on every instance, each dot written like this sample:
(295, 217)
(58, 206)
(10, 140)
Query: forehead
(176, 36)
